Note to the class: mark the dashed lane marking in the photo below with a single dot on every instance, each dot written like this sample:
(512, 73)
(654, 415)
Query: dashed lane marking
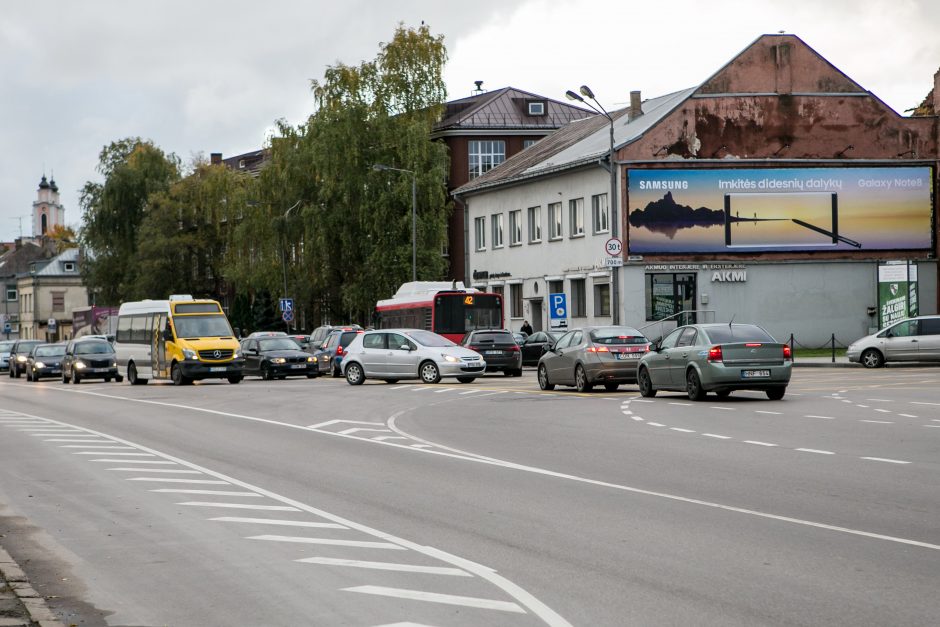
(715, 435)
(680, 430)
(814, 450)
(879, 422)
(774, 413)
(758, 443)
(283, 523)
(925, 403)
(723, 408)
(820, 417)
(883, 459)
(131, 461)
(883, 411)
(879, 400)
(681, 404)
(655, 424)
(435, 597)
(365, 544)
(97, 447)
(160, 470)
(907, 415)
(123, 454)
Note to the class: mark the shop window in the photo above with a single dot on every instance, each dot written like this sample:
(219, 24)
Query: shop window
(669, 294)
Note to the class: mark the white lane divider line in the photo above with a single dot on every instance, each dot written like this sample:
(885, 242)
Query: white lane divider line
(98, 447)
(723, 408)
(642, 400)
(907, 415)
(469, 392)
(925, 403)
(931, 420)
(400, 387)
(175, 480)
(365, 544)
(681, 430)
(74, 441)
(813, 450)
(626, 412)
(405, 568)
(283, 523)
(206, 492)
(382, 438)
(845, 400)
(421, 446)
(681, 404)
(932, 426)
(655, 424)
(160, 470)
(131, 461)
(774, 413)
(883, 459)
(435, 597)
(866, 407)
(820, 417)
(495, 393)
(320, 425)
(715, 435)
(758, 443)
(883, 411)
(124, 454)
(266, 508)
(54, 432)
(879, 422)
(637, 418)
(455, 389)
(358, 429)
(879, 400)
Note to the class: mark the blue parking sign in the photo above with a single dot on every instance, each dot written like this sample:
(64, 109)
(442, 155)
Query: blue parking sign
(558, 312)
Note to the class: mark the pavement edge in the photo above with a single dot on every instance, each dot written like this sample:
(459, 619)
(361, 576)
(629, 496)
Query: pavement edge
(35, 604)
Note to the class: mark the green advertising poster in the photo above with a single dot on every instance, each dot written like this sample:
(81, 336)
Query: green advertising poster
(897, 292)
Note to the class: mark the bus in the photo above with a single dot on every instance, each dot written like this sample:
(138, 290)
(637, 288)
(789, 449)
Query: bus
(448, 309)
(181, 339)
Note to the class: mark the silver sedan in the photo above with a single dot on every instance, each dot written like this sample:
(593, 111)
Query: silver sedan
(593, 356)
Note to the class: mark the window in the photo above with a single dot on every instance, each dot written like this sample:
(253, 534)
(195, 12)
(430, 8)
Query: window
(537, 108)
(535, 225)
(11, 292)
(479, 227)
(930, 326)
(515, 300)
(556, 287)
(374, 340)
(576, 217)
(69, 266)
(600, 213)
(58, 301)
(497, 289)
(554, 221)
(485, 155)
(515, 227)
(497, 230)
(578, 303)
(669, 294)
(602, 299)
(528, 142)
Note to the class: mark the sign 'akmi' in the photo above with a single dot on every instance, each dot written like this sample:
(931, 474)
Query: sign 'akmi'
(729, 276)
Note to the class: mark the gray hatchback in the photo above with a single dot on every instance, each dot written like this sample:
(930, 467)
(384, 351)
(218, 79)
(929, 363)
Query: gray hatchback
(593, 355)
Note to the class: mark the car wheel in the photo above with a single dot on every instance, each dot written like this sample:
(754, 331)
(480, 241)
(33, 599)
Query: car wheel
(76, 378)
(872, 359)
(723, 394)
(119, 379)
(611, 387)
(176, 374)
(775, 394)
(311, 375)
(107, 379)
(517, 372)
(265, 372)
(29, 376)
(693, 386)
(466, 379)
(543, 379)
(336, 371)
(581, 381)
(429, 372)
(234, 380)
(354, 374)
(132, 377)
(645, 383)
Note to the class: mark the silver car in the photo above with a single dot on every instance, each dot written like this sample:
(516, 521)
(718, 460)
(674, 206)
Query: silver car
(395, 354)
(593, 355)
(5, 347)
(914, 339)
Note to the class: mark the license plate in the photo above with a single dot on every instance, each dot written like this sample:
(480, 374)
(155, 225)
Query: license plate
(754, 374)
(493, 352)
(218, 369)
(298, 366)
(55, 371)
(629, 355)
(99, 369)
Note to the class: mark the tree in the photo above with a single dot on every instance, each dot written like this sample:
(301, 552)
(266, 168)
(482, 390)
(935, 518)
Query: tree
(62, 237)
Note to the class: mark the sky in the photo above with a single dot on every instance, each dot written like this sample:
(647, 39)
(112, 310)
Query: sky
(203, 76)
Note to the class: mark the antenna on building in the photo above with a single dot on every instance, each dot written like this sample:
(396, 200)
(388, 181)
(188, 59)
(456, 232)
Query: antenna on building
(20, 220)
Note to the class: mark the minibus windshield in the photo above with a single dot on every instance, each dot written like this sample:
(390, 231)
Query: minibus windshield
(202, 326)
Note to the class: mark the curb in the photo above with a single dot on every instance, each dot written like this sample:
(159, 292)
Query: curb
(35, 604)
(824, 364)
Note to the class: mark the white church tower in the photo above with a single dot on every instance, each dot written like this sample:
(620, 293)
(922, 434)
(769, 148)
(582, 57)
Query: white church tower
(47, 210)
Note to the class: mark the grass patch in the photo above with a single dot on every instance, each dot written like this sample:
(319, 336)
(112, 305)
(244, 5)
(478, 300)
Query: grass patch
(817, 352)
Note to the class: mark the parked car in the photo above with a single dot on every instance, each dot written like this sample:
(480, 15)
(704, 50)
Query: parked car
(277, 357)
(89, 359)
(331, 350)
(19, 353)
(5, 347)
(320, 334)
(535, 345)
(302, 340)
(719, 358)
(913, 339)
(44, 360)
(499, 349)
(519, 336)
(593, 355)
(267, 334)
(396, 354)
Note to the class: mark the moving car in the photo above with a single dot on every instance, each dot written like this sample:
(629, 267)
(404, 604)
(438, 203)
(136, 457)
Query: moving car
(914, 339)
(19, 353)
(89, 359)
(593, 355)
(499, 349)
(44, 360)
(719, 358)
(277, 357)
(330, 353)
(395, 354)
(5, 347)
(535, 345)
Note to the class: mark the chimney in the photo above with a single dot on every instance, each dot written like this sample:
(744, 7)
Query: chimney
(215, 158)
(636, 105)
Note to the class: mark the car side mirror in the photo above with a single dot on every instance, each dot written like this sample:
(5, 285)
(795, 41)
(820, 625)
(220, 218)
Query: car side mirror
(549, 348)
(654, 347)
(405, 347)
(110, 338)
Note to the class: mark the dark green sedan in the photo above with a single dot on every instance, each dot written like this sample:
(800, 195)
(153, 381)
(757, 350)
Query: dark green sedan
(719, 358)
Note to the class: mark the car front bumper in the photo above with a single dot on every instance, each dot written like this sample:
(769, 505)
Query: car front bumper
(303, 369)
(450, 369)
(39, 373)
(208, 370)
(96, 373)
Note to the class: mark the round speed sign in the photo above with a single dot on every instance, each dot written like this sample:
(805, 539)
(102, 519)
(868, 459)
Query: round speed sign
(613, 247)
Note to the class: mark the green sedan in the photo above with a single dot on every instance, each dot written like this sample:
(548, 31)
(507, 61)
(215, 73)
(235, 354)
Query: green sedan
(719, 358)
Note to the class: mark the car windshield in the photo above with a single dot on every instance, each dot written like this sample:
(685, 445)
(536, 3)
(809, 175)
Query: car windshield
(6, 346)
(92, 348)
(202, 326)
(25, 346)
(618, 335)
(426, 338)
(50, 351)
(278, 344)
(494, 336)
(726, 334)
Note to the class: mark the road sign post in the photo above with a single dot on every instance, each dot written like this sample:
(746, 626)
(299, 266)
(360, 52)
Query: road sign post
(558, 312)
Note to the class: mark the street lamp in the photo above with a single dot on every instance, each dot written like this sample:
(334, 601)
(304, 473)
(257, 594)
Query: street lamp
(378, 167)
(284, 251)
(614, 196)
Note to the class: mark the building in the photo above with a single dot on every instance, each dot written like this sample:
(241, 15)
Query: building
(48, 212)
(15, 263)
(47, 294)
(772, 192)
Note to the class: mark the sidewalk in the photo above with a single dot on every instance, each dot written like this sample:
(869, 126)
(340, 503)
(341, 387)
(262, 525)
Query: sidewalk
(20, 605)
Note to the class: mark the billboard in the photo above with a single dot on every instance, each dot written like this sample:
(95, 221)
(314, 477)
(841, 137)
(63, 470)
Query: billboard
(780, 209)
(94, 321)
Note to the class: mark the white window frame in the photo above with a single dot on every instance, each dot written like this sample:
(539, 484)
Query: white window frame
(484, 154)
(537, 107)
(69, 266)
(479, 227)
(515, 227)
(16, 293)
(600, 210)
(497, 221)
(556, 224)
(526, 143)
(535, 224)
(576, 217)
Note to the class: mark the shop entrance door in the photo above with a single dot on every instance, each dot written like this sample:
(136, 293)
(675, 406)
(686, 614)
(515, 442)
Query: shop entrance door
(685, 297)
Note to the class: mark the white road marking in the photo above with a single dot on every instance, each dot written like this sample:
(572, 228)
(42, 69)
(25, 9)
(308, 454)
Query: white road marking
(455, 389)
(174, 480)
(932, 419)
(758, 443)
(642, 400)
(421, 446)
(357, 429)
(267, 508)
(682, 404)
(205, 492)
(161, 470)
(637, 418)
(495, 393)
(932, 426)
(405, 568)
(923, 403)
(130, 461)
(365, 544)
(879, 400)
(382, 438)
(320, 425)
(866, 407)
(723, 408)
(626, 412)
(882, 459)
(879, 422)
(400, 387)
(681, 430)
(48, 431)
(74, 441)
(822, 417)
(655, 424)
(285, 523)
(907, 415)
(845, 400)
(434, 597)
(125, 454)
(813, 450)
(715, 435)
(469, 392)
(99, 448)
(842, 391)
(883, 411)
(775, 413)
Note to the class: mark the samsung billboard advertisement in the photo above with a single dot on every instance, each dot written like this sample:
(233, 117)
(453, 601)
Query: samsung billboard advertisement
(780, 209)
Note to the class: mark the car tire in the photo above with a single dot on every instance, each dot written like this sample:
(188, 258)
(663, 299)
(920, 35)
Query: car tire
(119, 379)
(581, 382)
(265, 372)
(645, 383)
(693, 386)
(176, 375)
(391, 381)
(429, 372)
(311, 376)
(872, 358)
(466, 379)
(544, 384)
(336, 371)
(132, 377)
(611, 387)
(507, 373)
(517, 372)
(235, 380)
(107, 379)
(775, 394)
(76, 378)
(354, 374)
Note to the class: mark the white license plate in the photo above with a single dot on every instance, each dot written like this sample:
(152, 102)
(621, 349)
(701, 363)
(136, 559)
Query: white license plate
(298, 366)
(98, 369)
(629, 355)
(218, 369)
(55, 371)
(754, 374)
(493, 352)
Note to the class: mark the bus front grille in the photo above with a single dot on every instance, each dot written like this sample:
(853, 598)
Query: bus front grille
(215, 355)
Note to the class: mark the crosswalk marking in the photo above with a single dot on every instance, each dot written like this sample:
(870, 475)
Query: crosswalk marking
(435, 597)
(286, 523)
(407, 568)
(366, 544)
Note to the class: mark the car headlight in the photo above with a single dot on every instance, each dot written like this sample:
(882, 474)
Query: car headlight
(451, 358)
(39, 364)
(79, 365)
(21, 358)
(278, 360)
(189, 354)
(235, 355)
(313, 359)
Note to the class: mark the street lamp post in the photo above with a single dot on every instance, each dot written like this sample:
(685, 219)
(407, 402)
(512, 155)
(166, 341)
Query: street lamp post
(284, 252)
(614, 195)
(414, 213)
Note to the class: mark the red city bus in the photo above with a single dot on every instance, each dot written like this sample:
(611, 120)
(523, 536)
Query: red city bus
(448, 309)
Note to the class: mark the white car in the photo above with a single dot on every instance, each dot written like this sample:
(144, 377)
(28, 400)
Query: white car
(395, 354)
(914, 339)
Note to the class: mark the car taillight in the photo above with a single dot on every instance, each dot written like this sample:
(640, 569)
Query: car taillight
(339, 350)
(646, 348)
(752, 345)
(597, 349)
(787, 353)
(515, 348)
(714, 353)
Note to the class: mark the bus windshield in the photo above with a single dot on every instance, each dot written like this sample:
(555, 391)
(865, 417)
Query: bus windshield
(460, 313)
(202, 326)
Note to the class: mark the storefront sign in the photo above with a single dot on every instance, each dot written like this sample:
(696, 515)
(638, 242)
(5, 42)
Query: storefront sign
(729, 276)
(482, 275)
(897, 292)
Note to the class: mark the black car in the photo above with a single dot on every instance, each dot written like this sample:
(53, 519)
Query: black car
(44, 360)
(332, 349)
(499, 350)
(89, 359)
(277, 357)
(535, 345)
(319, 335)
(19, 354)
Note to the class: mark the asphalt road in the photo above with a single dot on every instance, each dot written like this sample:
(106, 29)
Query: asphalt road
(316, 503)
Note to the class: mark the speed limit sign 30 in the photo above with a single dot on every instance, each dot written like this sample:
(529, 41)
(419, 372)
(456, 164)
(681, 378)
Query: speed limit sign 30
(613, 247)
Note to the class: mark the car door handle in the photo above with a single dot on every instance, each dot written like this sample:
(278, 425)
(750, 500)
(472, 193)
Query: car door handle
(914, 341)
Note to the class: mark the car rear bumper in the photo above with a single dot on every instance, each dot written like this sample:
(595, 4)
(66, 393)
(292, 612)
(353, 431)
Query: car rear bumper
(612, 372)
(718, 376)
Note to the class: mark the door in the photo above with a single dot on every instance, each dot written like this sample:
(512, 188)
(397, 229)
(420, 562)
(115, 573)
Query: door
(929, 340)
(252, 357)
(901, 341)
(401, 361)
(685, 297)
(554, 359)
(533, 347)
(374, 353)
(158, 350)
(567, 358)
(659, 362)
(536, 314)
(679, 356)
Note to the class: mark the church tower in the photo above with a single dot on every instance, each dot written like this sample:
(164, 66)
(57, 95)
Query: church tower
(47, 210)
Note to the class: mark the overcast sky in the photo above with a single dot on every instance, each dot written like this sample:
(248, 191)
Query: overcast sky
(201, 76)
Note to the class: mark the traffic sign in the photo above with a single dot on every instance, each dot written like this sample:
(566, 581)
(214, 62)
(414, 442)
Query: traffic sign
(52, 324)
(613, 262)
(7, 328)
(558, 312)
(287, 304)
(613, 247)
(287, 316)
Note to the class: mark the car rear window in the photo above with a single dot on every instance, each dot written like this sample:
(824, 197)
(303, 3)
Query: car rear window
(502, 337)
(347, 338)
(618, 335)
(738, 333)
